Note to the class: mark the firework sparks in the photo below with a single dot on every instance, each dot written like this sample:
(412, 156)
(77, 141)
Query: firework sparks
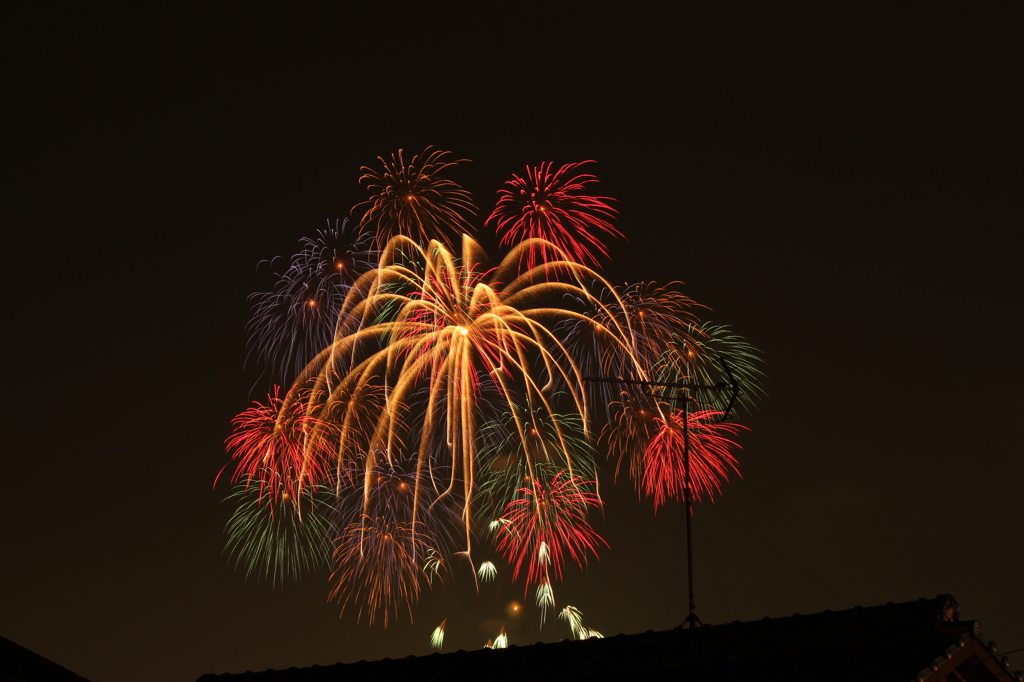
(274, 542)
(444, 338)
(295, 320)
(377, 567)
(414, 200)
(711, 458)
(281, 449)
(547, 522)
(435, 391)
(437, 636)
(555, 207)
(487, 572)
(574, 618)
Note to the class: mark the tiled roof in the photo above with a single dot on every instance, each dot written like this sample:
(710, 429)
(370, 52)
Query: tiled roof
(894, 642)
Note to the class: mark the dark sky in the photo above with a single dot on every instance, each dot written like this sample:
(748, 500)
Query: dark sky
(842, 185)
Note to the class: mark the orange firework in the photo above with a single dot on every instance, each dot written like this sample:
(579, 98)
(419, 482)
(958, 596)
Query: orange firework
(414, 200)
(378, 566)
(441, 336)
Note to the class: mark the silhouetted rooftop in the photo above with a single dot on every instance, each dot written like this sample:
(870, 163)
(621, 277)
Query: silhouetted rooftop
(18, 664)
(920, 640)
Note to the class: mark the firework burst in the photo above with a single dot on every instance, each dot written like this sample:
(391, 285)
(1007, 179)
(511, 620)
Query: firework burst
(280, 448)
(379, 567)
(438, 396)
(710, 456)
(455, 343)
(414, 200)
(276, 542)
(555, 207)
(295, 320)
(547, 522)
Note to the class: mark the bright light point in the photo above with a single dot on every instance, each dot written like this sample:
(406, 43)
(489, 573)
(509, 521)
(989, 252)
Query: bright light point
(312, 303)
(463, 331)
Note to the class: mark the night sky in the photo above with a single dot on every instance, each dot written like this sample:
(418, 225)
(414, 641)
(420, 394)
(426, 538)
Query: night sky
(841, 185)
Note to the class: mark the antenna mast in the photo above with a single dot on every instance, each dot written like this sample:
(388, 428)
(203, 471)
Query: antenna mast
(682, 394)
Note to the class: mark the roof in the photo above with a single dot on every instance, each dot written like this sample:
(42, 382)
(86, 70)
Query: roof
(920, 641)
(18, 664)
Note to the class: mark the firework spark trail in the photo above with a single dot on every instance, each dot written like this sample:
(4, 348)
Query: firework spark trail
(412, 199)
(378, 567)
(553, 206)
(574, 619)
(547, 522)
(711, 458)
(442, 331)
(295, 320)
(280, 446)
(713, 344)
(274, 542)
(629, 334)
(508, 458)
(437, 637)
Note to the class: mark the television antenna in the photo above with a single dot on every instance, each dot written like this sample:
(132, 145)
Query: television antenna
(684, 394)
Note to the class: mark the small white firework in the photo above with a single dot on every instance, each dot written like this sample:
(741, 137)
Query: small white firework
(437, 637)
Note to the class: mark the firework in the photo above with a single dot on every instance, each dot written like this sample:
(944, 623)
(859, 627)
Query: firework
(487, 572)
(628, 335)
(414, 200)
(508, 458)
(547, 522)
(710, 456)
(501, 641)
(295, 320)
(554, 206)
(378, 567)
(437, 636)
(280, 447)
(438, 396)
(717, 353)
(456, 344)
(275, 542)
(574, 618)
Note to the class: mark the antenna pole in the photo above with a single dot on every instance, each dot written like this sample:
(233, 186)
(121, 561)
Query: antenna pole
(691, 617)
(683, 395)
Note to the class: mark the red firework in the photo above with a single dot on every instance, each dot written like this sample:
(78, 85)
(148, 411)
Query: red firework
(545, 522)
(711, 459)
(281, 450)
(554, 206)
